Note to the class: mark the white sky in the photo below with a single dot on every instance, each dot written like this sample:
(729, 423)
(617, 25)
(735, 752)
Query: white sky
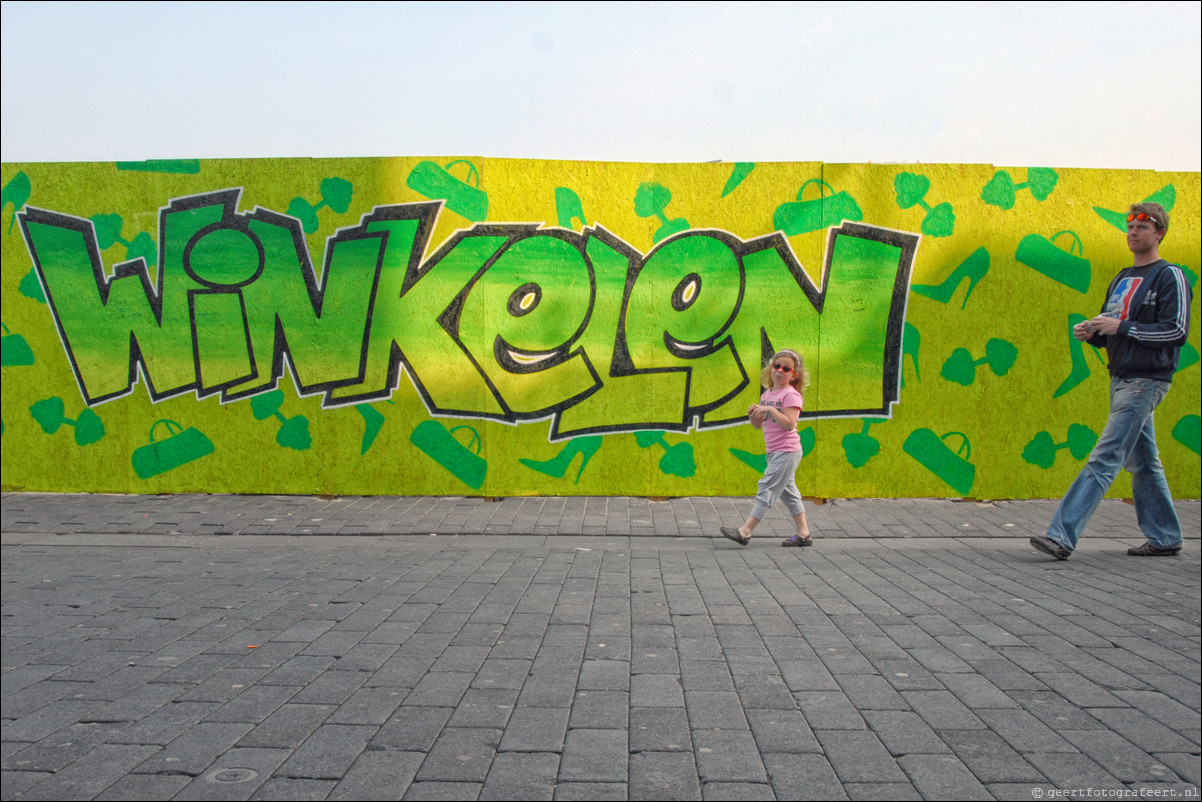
(1112, 85)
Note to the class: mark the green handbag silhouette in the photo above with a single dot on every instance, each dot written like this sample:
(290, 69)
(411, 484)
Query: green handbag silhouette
(930, 450)
(433, 439)
(1041, 254)
(179, 447)
(804, 216)
(462, 198)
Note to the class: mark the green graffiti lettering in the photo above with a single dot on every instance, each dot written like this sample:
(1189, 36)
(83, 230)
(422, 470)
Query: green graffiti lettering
(112, 327)
(504, 321)
(849, 331)
(321, 326)
(626, 401)
(521, 318)
(678, 309)
(423, 324)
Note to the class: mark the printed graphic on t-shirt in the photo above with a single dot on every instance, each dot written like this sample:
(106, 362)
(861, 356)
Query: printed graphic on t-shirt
(1119, 305)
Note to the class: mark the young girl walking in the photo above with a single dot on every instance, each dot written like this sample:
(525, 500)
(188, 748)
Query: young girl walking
(776, 416)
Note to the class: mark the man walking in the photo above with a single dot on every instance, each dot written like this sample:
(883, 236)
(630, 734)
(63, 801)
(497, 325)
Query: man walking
(1143, 325)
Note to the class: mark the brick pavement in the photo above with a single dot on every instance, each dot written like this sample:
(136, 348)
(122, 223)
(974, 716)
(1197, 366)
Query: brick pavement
(921, 649)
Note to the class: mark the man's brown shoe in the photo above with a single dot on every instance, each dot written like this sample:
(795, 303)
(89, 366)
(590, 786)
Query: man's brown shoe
(1049, 546)
(1150, 550)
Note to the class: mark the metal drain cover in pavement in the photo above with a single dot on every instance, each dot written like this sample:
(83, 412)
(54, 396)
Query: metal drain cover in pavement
(226, 776)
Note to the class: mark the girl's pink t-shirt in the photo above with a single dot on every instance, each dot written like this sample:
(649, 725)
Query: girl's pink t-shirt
(776, 437)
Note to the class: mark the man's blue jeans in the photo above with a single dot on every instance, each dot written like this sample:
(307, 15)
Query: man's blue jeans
(1128, 441)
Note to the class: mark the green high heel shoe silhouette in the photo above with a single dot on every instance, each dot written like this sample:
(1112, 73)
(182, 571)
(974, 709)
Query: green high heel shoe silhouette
(1076, 350)
(568, 207)
(741, 170)
(973, 268)
(16, 192)
(759, 462)
(911, 342)
(373, 421)
(558, 465)
(1166, 196)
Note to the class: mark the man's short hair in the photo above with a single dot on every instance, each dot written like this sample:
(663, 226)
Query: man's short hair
(1153, 210)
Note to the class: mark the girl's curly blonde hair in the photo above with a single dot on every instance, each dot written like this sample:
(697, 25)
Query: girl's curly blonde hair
(801, 376)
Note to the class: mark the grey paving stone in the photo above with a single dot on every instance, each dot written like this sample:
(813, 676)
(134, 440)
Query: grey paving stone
(942, 777)
(658, 729)
(803, 776)
(882, 791)
(871, 692)
(656, 690)
(904, 733)
(91, 774)
(145, 786)
(715, 710)
(378, 775)
(1005, 660)
(293, 788)
(782, 731)
(600, 710)
(595, 756)
(1074, 771)
(737, 791)
(1122, 759)
(60, 749)
(536, 729)
(485, 707)
(369, 706)
(587, 791)
(522, 776)
(254, 704)
(195, 750)
(1186, 765)
(941, 710)
(829, 710)
(287, 727)
(328, 752)
(165, 724)
(988, 757)
(859, 757)
(412, 728)
(728, 756)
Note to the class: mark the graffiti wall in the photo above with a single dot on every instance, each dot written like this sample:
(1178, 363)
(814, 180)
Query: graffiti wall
(511, 327)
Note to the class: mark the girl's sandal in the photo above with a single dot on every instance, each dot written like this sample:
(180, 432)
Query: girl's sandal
(798, 541)
(733, 534)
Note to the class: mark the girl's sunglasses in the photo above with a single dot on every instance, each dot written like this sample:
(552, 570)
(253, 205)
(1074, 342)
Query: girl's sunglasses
(782, 368)
(1143, 217)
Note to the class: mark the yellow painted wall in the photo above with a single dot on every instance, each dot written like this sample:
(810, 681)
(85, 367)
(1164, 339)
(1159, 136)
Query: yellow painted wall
(510, 327)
